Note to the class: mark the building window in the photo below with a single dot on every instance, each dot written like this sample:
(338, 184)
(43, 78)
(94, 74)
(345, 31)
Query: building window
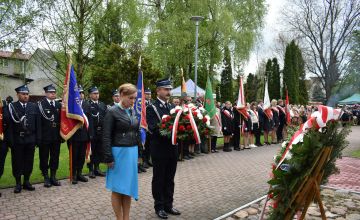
(4, 63)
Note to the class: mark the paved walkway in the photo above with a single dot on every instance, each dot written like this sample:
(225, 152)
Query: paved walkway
(349, 176)
(206, 187)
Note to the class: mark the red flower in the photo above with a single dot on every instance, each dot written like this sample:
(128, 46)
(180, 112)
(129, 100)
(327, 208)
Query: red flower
(163, 125)
(170, 127)
(195, 114)
(181, 128)
(177, 110)
(204, 119)
(275, 205)
(271, 196)
(186, 117)
(188, 127)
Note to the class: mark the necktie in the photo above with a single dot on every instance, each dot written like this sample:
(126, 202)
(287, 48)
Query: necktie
(24, 106)
(52, 103)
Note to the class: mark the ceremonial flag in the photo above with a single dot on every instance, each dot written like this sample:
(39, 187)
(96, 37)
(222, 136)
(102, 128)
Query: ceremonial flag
(287, 108)
(140, 107)
(267, 104)
(72, 115)
(241, 103)
(183, 84)
(1, 120)
(209, 99)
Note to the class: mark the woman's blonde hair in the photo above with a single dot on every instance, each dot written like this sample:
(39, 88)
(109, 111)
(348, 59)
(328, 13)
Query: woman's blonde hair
(127, 89)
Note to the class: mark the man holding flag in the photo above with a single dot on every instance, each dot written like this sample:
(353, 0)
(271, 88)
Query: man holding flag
(140, 107)
(74, 125)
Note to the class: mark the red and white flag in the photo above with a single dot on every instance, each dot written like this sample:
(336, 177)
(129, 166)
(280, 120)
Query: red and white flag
(241, 103)
(267, 104)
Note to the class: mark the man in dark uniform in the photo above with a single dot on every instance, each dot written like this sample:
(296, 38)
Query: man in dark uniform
(95, 111)
(146, 152)
(79, 141)
(23, 136)
(163, 153)
(4, 115)
(115, 98)
(49, 136)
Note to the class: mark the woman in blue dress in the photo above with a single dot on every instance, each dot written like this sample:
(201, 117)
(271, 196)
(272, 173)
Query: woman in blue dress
(120, 143)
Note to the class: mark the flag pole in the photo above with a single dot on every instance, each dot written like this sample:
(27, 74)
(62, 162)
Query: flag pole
(70, 147)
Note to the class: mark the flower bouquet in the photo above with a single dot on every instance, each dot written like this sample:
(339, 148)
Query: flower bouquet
(186, 123)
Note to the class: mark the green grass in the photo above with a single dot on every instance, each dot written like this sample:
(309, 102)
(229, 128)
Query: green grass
(356, 154)
(63, 172)
(8, 180)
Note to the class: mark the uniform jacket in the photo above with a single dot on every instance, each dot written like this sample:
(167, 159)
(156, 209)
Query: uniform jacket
(160, 146)
(24, 132)
(49, 130)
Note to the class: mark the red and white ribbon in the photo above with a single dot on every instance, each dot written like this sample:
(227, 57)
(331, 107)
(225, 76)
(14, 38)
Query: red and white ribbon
(318, 120)
(175, 127)
(227, 114)
(194, 128)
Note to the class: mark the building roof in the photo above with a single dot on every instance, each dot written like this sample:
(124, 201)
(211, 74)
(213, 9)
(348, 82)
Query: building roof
(16, 54)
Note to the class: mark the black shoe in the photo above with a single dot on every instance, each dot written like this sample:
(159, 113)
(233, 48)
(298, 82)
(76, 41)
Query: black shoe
(98, 172)
(161, 214)
(237, 148)
(74, 180)
(17, 188)
(92, 174)
(187, 157)
(173, 211)
(81, 178)
(53, 179)
(47, 182)
(142, 169)
(227, 150)
(146, 165)
(28, 186)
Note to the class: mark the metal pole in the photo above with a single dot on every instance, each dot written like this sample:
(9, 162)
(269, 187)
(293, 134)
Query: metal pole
(196, 57)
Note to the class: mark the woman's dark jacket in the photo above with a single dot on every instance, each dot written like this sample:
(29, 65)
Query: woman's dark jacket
(119, 130)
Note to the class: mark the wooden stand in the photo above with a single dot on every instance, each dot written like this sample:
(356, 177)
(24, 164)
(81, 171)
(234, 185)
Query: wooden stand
(309, 190)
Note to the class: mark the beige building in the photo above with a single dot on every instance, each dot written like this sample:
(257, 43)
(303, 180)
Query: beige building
(17, 68)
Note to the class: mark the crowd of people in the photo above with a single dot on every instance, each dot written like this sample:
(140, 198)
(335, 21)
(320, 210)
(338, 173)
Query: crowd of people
(113, 134)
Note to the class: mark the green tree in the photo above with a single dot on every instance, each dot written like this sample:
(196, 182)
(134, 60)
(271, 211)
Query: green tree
(171, 38)
(274, 82)
(294, 74)
(226, 87)
(17, 17)
(115, 67)
(291, 73)
(251, 88)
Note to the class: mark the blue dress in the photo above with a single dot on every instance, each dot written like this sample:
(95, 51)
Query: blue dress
(123, 177)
